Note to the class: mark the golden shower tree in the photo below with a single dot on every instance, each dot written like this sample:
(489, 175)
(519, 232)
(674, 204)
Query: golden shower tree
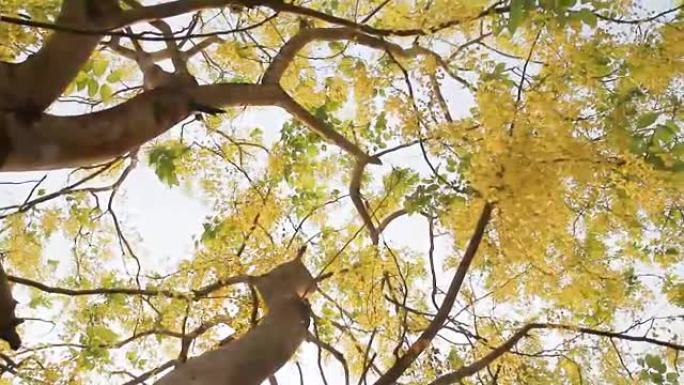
(536, 148)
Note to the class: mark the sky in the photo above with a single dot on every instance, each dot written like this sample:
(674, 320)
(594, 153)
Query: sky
(166, 220)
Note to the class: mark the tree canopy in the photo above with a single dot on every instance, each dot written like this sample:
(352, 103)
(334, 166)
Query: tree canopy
(490, 192)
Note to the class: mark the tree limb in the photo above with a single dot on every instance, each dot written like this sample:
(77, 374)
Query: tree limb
(194, 294)
(27, 86)
(334, 352)
(305, 36)
(425, 338)
(8, 319)
(480, 364)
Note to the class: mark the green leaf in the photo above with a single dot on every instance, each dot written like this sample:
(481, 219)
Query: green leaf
(588, 17)
(101, 334)
(81, 84)
(678, 150)
(664, 133)
(92, 87)
(657, 377)
(652, 361)
(106, 93)
(381, 122)
(163, 158)
(638, 145)
(115, 76)
(516, 15)
(336, 46)
(454, 359)
(647, 119)
(99, 67)
(672, 251)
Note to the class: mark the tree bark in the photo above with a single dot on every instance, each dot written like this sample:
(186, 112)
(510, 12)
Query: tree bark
(44, 141)
(254, 357)
(249, 360)
(32, 85)
(50, 142)
(8, 320)
(417, 347)
(33, 140)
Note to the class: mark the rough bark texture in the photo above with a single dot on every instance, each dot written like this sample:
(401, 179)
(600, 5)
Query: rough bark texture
(8, 320)
(252, 358)
(32, 140)
(29, 87)
(49, 142)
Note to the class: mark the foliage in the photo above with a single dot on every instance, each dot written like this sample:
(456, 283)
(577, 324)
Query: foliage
(567, 116)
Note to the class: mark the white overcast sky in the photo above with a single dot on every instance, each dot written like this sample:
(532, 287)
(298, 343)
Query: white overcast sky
(166, 219)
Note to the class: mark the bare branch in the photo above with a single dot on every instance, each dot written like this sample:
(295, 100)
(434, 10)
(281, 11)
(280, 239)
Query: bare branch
(153, 372)
(300, 40)
(639, 21)
(334, 352)
(355, 194)
(193, 294)
(480, 364)
(289, 104)
(388, 219)
(425, 338)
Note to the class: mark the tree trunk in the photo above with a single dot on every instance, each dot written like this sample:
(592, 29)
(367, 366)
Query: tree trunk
(252, 358)
(32, 85)
(8, 320)
(44, 142)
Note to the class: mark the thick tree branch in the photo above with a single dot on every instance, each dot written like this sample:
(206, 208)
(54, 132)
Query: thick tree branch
(40, 141)
(603, 333)
(199, 47)
(115, 45)
(27, 86)
(144, 35)
(298, 10)
(300, 40)
(162, 54)
(388, 219)
(179, 7)
(8, 320)
(252, 358)
(175, 8)
(160, 369)
(355, 195)
(82, 23)
(53, 142)
(425, 338)
(360, 205)
(483, 362)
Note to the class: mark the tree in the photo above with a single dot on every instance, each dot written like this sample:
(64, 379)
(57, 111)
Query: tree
(547, 184)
